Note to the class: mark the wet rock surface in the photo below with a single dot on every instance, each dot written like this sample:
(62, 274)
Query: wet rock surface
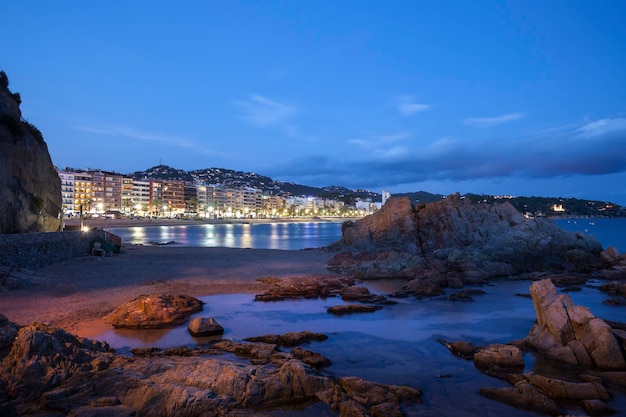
(47, 371)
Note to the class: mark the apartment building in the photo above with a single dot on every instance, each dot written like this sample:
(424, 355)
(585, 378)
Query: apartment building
(140, 197)
(83, 194)
(67, 192)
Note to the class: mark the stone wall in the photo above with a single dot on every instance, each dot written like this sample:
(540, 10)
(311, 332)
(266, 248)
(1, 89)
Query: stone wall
(32, 250)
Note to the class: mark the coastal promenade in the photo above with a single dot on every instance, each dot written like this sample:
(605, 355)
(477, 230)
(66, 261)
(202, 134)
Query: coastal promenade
(138, 221)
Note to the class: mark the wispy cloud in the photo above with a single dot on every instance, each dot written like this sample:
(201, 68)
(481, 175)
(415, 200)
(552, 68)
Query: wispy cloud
(492, 121)
(133, 133)
(261, 111)
(407, 106)
(603, 127)
(379, 141)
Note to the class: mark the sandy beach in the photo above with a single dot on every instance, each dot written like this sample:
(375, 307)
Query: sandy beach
(75, 295)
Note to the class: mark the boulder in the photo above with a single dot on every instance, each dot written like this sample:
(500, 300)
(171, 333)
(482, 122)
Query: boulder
(572, 334)
(205, 326)
(154, 311)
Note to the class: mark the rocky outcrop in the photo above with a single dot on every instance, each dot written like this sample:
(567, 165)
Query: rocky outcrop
(299, 288)
(30, 188)
(572, 334)
(46, 371)
(590, 352)
(154, 311)
(453, 242)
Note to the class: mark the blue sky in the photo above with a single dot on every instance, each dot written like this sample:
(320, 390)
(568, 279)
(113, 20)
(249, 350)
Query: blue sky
(494, 97)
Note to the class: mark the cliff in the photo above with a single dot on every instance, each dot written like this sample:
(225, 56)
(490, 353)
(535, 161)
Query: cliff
(30, 189)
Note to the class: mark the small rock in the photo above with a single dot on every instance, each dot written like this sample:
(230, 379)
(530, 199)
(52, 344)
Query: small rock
(205, 326)
(352, 308)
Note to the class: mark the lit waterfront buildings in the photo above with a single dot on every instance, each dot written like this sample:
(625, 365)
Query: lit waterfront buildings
(98, 193)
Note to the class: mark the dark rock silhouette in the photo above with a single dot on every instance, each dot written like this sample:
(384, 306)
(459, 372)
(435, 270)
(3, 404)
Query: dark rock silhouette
(30, 188)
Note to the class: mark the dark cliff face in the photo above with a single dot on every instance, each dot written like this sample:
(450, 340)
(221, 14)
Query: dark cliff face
(30, 189)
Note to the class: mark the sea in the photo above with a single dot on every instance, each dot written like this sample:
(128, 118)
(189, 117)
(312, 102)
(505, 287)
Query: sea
(305, 235)
(399, 344)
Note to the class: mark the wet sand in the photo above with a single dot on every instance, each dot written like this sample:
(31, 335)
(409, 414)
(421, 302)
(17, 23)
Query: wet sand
(76, 294)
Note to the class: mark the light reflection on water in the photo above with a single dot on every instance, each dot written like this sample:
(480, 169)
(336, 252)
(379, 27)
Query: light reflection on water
(287, 236)
(395, 345)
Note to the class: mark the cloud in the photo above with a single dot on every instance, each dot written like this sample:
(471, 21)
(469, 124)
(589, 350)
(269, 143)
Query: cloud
(603, 127)
(492, 121)
(408, 107)
(379, 141)
(555, 156)
(261, 111)
(133, 133)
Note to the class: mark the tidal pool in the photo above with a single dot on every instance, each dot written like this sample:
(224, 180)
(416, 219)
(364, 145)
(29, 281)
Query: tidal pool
(396, 345)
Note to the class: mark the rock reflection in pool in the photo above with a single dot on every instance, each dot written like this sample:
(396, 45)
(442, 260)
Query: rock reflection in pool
(395, 345)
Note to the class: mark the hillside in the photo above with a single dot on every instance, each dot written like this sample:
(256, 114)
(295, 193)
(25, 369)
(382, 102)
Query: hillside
(536, 206)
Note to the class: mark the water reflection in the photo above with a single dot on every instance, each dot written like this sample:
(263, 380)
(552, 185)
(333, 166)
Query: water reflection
(395, 345)
(286, 236)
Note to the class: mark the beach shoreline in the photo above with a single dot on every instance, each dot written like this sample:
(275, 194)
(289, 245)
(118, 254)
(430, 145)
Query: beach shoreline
(99, 222)
(75, 295)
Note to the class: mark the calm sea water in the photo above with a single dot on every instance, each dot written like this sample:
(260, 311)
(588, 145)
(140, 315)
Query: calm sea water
(610, 232)
(396, 345)
(288, 236)
(295, 236)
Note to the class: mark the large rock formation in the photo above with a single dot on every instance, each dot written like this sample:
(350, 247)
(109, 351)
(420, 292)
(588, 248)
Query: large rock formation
(572, 334)
(452, 242)
(30, 188)
(47, 371)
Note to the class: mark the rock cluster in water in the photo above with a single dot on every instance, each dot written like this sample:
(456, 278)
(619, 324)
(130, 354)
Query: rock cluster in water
(47, 371)
(453, 242)
(30, 188)
(587, 348)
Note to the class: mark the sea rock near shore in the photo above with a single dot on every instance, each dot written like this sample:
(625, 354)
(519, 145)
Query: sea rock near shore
(452, 242)
(30, 188)
(47, 371)
(205, 326)
(154, 311)
(572, 334)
